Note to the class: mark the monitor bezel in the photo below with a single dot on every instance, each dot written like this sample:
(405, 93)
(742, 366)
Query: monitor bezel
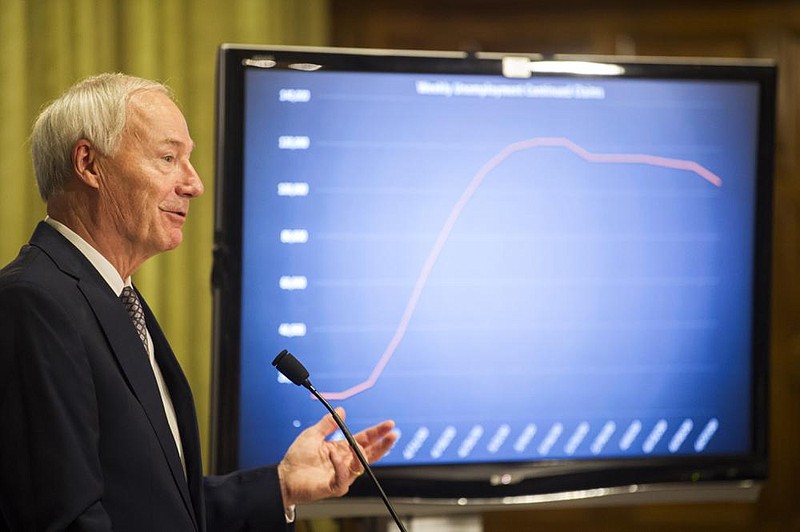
(490, 480)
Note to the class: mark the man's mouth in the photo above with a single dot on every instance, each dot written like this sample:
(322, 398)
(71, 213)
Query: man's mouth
(177, 212)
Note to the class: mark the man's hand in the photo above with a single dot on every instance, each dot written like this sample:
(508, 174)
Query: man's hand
(314, 468)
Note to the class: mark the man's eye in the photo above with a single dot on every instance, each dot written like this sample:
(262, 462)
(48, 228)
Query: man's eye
(169, 158)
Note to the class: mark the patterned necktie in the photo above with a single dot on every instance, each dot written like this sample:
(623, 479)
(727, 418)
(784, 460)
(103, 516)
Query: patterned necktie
(135, 311)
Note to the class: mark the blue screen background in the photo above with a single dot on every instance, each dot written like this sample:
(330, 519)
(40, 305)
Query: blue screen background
(499, 305)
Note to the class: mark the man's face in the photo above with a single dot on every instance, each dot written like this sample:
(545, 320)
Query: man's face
(147, 184)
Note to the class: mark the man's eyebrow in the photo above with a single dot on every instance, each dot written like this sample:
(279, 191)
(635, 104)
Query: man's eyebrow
(179, 143)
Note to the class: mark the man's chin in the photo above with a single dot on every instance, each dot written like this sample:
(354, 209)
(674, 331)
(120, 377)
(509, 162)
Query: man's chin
(174, 240)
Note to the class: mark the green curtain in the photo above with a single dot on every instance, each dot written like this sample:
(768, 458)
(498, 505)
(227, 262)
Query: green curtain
(46, 45)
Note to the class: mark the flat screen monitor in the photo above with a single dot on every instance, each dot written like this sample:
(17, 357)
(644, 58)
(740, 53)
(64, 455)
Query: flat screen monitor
(551, 272)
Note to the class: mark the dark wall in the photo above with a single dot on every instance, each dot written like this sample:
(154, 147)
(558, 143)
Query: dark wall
(701, 28)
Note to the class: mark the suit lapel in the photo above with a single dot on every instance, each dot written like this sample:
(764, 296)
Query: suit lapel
(125, 344)
(133, 360)
(183, 402)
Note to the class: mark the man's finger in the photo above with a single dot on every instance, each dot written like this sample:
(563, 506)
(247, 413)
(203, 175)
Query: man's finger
(377, 440)
(374, 433)
(327, 425)
(380, 448)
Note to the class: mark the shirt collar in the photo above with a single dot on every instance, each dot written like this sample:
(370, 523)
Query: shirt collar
(100, 263)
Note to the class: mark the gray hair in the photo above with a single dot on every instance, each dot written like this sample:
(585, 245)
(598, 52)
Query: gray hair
(94, 109)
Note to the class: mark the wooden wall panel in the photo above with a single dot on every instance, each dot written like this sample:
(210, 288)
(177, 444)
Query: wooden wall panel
(676, 28)
(566, 26)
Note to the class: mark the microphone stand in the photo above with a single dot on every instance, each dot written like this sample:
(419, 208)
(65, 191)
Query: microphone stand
(359, 454)
(287, 364)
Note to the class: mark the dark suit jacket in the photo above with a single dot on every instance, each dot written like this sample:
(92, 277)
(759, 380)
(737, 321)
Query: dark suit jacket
(84, 441)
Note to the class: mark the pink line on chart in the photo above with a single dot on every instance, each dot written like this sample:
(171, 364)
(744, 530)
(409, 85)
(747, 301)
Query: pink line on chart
(422, 279)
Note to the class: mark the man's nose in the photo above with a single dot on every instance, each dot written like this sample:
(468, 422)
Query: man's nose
(192, 185)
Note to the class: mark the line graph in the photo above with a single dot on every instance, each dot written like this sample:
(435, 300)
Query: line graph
(473, 185)
(583, 264)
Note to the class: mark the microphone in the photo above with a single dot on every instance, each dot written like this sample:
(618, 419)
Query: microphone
(293, 369)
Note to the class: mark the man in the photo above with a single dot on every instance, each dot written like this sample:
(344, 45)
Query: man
(98, 423)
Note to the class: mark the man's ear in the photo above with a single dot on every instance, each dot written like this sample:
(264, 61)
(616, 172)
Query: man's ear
(84, 163)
